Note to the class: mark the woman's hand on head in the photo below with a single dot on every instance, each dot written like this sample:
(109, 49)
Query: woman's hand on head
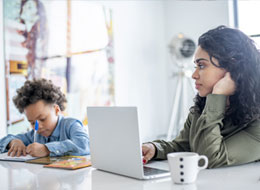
(225, 86)
(16, 148)
(148, 150)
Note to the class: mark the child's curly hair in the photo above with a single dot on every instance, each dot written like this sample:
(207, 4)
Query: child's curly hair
(38, 89)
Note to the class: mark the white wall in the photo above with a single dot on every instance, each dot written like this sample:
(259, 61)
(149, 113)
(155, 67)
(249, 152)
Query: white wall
(142, 31)
(140, 61)
(2, 79)
(194, 17)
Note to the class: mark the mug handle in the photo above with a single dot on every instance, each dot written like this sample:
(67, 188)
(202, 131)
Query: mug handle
(205, 158)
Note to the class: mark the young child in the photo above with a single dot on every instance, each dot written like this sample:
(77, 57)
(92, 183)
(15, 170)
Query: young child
(42, 101)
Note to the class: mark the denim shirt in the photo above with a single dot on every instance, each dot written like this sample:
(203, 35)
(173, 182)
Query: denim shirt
(68, 138)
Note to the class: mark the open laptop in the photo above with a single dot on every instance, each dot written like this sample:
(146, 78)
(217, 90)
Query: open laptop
(115, 144)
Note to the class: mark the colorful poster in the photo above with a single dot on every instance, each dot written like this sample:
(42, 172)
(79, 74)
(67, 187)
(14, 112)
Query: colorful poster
(68, 42)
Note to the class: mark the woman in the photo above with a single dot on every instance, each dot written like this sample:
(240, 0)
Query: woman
(224, 123)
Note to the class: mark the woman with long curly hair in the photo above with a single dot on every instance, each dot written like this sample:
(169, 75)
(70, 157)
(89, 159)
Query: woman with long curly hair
(224, 123)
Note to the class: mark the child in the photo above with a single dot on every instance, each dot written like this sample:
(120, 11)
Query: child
(41, 101)
(224, 123)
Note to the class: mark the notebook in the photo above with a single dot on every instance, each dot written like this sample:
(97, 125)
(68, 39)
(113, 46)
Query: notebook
(115, 143)
(5, 157)
(50, 160)
(70, 164)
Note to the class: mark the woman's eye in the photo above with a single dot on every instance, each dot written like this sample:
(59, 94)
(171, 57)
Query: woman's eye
(42, 119)
(200, 66)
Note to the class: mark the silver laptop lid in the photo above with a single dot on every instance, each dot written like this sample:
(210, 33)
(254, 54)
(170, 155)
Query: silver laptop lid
(115, 144)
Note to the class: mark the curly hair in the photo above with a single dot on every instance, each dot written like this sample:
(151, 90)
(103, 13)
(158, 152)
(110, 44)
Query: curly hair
(38, 89)
(237, 54)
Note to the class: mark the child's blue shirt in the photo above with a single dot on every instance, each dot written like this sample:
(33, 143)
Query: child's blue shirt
(68, 138)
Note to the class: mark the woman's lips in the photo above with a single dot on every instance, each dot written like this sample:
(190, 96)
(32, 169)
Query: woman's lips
(197, 86)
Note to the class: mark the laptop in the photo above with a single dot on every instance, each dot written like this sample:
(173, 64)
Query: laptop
(115, 144)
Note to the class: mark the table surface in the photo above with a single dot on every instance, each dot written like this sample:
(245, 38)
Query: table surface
(20, 175)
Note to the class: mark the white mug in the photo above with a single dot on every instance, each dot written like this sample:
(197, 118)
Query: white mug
(184, 166)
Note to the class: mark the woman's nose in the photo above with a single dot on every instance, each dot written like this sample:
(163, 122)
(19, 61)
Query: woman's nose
(195, 74)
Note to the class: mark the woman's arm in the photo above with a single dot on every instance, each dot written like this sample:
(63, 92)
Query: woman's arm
(180, 144)
(202, 134)
(206, 132)
(241, 147)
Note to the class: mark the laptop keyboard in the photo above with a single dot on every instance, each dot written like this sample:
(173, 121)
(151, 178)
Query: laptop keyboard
(153, 171)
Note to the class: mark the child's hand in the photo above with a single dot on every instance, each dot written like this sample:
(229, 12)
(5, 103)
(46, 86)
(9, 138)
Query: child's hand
(225, 86)
(37, 150)
(16, 148)
(148, 151)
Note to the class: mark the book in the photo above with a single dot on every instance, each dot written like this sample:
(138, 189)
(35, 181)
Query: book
(5, 157)
(70, 164)
(50, 160)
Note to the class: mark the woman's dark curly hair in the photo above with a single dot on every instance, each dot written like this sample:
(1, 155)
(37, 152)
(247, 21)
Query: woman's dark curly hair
(38, 89)
(237, 54)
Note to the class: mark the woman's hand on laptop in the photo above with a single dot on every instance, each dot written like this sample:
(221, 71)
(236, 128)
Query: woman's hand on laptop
(148, 150)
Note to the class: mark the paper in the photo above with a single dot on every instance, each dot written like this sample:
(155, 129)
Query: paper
(5, 157)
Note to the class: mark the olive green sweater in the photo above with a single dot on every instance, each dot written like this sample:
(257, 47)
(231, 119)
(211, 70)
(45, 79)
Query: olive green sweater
(206, 134)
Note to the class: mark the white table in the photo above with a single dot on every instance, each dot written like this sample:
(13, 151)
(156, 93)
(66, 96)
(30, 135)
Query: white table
(19, 175)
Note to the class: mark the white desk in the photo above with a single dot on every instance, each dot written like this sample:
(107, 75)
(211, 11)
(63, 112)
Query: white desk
(19, 175)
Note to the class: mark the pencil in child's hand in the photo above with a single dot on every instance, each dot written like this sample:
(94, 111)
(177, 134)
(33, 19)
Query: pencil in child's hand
(35, 130)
